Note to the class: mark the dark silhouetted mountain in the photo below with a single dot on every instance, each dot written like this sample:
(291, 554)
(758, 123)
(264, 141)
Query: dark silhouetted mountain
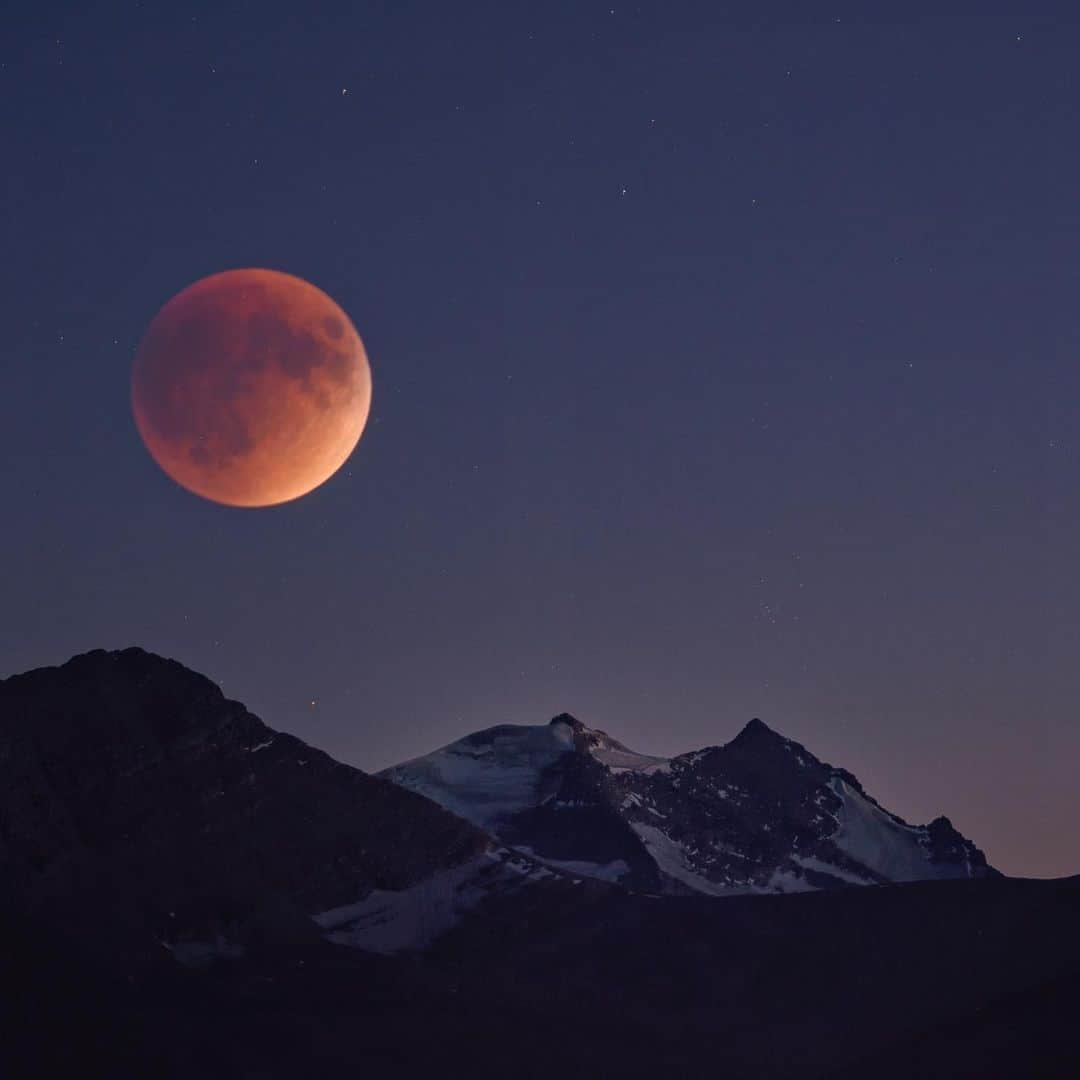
(179, 819)
(760, 814)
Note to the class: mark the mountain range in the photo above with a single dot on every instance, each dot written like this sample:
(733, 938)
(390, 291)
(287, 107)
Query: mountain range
(186, 892)
(760, 814)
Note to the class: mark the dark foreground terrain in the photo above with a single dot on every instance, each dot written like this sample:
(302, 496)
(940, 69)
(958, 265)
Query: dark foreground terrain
(971, 979)
(140, 809)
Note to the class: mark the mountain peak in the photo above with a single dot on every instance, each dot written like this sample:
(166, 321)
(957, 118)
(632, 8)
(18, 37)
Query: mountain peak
(569, 721)
(759, 814)
(126, 771)
(757, 731)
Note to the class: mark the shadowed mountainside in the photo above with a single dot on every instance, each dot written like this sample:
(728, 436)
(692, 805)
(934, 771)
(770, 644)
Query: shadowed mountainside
(139, 800)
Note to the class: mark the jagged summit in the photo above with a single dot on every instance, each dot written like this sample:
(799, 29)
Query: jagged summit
(757, 732)
(760, 813)
(756, 725)
(568, 720)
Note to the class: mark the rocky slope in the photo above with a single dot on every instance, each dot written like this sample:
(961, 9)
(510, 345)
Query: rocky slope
(759, 814)
(139, 801)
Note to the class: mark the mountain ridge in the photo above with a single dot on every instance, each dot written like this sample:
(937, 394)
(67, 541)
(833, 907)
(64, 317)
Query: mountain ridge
(190, 826)
(760, 813)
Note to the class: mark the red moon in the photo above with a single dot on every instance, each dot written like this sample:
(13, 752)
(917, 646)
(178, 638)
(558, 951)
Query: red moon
(251, 387)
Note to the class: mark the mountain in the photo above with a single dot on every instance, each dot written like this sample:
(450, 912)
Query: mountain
(177, 883)
(760, 814)
(181, 822)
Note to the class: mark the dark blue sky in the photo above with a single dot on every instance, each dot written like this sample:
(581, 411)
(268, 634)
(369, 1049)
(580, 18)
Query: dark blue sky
(724, 366)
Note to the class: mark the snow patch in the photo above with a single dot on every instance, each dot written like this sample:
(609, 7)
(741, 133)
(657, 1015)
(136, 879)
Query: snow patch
(490, 775)
(811, 862)
(386, 921)
(785, 881)
(620, 760)
(671, 859)
(881, 842)
(610, 871)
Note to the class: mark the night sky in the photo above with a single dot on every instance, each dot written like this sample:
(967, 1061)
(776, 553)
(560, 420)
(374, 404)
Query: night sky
(723, 366)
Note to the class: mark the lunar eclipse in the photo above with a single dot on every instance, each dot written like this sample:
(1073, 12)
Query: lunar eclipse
(251, 387)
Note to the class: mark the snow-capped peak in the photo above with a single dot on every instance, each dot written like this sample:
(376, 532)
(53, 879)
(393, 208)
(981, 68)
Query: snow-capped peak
(491, 774)
(600, 746)
(758, 814)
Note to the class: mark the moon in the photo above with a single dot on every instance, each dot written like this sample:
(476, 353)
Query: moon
(251, 387)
